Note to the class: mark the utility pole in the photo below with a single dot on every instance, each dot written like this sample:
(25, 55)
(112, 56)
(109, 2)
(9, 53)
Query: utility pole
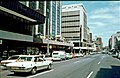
(48, 39)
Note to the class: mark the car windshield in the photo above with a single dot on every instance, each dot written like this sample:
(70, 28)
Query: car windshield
(25, 58)
(13, 57)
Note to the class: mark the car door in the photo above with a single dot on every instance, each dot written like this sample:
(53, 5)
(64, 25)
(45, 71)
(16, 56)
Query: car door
(38, 63)
(44, 63)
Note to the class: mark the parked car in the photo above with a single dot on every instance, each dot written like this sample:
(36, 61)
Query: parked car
(10, 59)
(68, 55)
(79, 55)
(115, 55)
(59, 55)
(29, 63)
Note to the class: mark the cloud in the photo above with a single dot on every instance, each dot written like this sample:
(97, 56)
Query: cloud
(105, 10)
(105, 20)
(101, 16)
(105, 16)
(104, 2)
(96, 24)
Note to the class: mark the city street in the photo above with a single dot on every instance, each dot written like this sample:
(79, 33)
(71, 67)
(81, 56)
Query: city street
(90, 66)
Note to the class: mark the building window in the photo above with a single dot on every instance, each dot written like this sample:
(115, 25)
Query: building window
(71, 21)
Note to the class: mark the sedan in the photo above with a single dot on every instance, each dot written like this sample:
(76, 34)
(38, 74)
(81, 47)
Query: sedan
(10, 60)
(29, 63)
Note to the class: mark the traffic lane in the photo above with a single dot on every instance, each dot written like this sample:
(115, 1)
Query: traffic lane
(8, 74)
(77, 68)
(62, 65)
(109, 68)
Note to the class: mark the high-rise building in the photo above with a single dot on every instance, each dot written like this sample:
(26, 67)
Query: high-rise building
(74, 26)
(52, 11)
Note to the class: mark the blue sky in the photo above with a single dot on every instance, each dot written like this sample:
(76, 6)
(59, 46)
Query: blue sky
(103, 17)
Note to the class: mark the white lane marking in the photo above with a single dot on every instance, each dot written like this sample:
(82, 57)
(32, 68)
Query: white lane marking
(102, 57)
(40, 73)
(90, 74)
(99, 62)
(76, 62)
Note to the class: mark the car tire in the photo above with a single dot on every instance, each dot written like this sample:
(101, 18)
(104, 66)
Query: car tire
(49, 67)
(33, 71)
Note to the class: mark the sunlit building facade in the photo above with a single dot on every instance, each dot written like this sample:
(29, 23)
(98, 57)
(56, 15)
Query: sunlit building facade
(74, 26)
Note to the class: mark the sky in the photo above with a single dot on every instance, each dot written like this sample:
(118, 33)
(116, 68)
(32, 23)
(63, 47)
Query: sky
(103, 17)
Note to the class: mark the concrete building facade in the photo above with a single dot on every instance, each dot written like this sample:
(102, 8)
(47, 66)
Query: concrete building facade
(99, 44)
(114, 41)
(74, 26)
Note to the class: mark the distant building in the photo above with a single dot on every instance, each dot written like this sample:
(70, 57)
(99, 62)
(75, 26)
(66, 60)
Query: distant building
(99, 43)
(115, 41)
(74, 26)
(110, 43)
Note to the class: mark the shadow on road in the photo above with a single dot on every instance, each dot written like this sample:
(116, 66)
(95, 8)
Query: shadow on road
(114, 72)
(25, 74)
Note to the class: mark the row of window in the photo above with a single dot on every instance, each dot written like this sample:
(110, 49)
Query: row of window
(70, 13)
(70, 16)
(72, 37)
(70, 26)
(71, 32)
(71, 21)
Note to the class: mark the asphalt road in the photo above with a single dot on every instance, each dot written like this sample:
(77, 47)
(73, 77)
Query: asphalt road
(92, 66)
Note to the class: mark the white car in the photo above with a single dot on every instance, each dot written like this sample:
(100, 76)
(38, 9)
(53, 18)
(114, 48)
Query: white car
(59, 55)
(29, 63)
(68, 55)
(79, 55)
(10, 60)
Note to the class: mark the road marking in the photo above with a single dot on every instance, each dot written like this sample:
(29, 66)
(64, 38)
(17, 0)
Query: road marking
(90, 74)
(76, 62)
(102, 58)
(41, 73)
(99, 62)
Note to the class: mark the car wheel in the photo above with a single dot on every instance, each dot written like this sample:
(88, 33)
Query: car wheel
(33, 71)
(49, 67)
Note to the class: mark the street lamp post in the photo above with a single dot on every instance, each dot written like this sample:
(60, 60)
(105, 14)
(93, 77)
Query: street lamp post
(48, 39)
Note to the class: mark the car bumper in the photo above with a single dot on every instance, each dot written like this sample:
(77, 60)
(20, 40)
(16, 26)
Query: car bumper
(18, 69)
(55, 59)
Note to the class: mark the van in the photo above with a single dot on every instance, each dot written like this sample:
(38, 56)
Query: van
(59, 55)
